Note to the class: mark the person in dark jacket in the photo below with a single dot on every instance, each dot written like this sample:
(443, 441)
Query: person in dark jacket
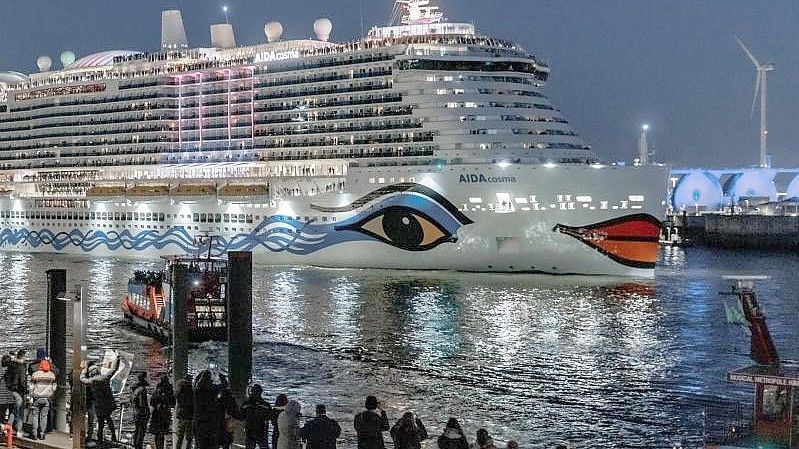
(256, 412)
(162, 401)
(408, 432)
(370, 425)
(483, 441)
(91, 419)
(229, 412)
(184, 411)
(16, 378)
(280, 404)
(141, 410)
(453, 437)
(206, 418)
(321, 432)
(6, 398)
(103, 400)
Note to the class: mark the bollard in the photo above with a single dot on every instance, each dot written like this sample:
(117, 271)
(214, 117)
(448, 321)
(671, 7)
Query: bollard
(239, 326)
(57, 342)
(239, 322)
(180, 333)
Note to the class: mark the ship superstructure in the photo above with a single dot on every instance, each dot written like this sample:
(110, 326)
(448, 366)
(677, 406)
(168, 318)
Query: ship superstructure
(422, 145)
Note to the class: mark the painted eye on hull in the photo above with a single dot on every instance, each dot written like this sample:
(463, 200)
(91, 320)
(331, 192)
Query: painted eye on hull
(404, 228)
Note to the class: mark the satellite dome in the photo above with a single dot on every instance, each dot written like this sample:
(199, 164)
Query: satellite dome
(273, 31)
(755, 183)
(322, 28)
(44, 63)
(67, 58)
(698, 190)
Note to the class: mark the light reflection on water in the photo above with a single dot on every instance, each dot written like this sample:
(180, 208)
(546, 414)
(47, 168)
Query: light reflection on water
(599, 362)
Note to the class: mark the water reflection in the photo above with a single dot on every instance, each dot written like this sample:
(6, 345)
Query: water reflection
(535, 358)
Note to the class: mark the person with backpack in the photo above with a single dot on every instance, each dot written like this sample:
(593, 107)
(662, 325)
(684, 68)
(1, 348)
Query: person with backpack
(408, 432)
(162, 401)
(140, 405)
(370, 425)
(255, 412)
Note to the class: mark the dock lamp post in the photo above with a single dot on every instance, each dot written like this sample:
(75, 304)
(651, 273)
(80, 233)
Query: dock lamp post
(76, 402)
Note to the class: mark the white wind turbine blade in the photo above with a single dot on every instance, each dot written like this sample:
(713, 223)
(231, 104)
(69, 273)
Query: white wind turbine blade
(748, 53)
(757, 89)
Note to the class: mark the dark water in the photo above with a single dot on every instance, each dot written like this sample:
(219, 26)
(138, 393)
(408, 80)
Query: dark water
(596, 362)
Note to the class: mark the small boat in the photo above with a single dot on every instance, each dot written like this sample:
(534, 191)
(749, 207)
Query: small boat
(148, 304)
(193, 193)
(148, 193)
(106, 193)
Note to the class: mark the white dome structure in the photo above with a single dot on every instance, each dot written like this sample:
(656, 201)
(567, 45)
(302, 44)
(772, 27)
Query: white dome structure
(697, 190)
(273, 31)
(12, 78)
(44, 63)
(322, 28)
(67, 58)
(751, 184)
(101, 59)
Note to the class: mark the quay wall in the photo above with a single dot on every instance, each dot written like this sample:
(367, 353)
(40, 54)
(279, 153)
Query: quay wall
(742, 231)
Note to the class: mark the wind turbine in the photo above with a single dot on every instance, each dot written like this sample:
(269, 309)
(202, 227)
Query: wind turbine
(760, 87)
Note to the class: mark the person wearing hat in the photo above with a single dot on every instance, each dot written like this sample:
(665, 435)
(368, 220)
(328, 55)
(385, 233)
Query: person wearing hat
(43, 387)
(141, 410)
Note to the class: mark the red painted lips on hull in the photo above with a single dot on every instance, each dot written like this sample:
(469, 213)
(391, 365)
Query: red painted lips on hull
(631, 240)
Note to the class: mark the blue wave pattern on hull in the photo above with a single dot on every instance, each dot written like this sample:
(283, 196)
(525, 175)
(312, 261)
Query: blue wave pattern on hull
(276, 233)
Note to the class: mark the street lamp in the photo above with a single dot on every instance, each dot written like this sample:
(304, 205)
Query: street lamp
(224, 9)
(76, 402)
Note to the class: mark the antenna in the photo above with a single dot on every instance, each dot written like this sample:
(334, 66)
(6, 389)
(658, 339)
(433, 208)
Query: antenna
(360, 5)
(224, 9)
(760, 88)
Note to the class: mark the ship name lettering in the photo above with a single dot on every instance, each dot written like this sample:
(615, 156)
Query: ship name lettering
(478, 178)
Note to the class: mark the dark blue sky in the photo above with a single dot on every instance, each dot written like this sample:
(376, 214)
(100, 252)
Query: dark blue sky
(615, 63)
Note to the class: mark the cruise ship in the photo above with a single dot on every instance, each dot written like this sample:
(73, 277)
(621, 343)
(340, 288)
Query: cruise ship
(422, 145)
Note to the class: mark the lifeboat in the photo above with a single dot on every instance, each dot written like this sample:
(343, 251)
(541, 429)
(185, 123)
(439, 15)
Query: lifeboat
(148, 193)
(144, 307)
(111, 194)
(244, 193)
(193, 193)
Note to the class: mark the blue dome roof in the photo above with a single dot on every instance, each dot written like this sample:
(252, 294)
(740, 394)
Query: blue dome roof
(698, 189)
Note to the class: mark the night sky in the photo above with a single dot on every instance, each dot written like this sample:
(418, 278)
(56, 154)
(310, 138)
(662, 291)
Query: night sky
(615, 63)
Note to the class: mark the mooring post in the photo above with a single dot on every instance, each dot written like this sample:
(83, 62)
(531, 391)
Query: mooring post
(77, 402)
(239, 322)
(57, 342)
(180, 332)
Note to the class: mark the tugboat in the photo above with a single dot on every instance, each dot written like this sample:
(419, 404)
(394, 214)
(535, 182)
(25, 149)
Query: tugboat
(148, 304)
(772, 420)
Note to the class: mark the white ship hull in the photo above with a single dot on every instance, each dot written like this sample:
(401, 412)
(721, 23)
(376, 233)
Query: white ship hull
(482, 218)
